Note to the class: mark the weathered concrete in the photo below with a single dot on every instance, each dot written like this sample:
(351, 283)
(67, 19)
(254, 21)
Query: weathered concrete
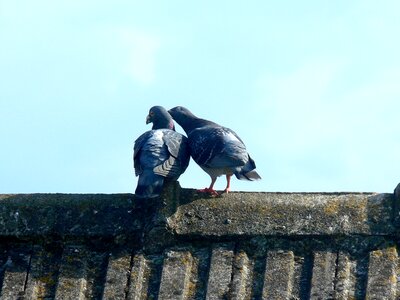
(343, 272)
(175, 276)
(382, 274)
(240, 279)
(323, 276)
(14, 276)
(220, 274)
(72, 282)
(243, 214)
(288, 214)
(118, 271)
(279, 274)
(187, 246)
(75, 215)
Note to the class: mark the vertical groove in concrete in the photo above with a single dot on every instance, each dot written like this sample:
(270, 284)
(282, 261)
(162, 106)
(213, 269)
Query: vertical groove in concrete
(35, 287)
(72, 278)
(220, 273)
(96, 271)
(359, 275)
(198, 278)
(303, 267)
(342, 280)
(175, 277)
(152, 276)
(279, 271)
(323, 276)
(382, 274)
(117, 276)
(352, 281)
(258, 263)
(137, 278)
(241, 276)
(15, 274)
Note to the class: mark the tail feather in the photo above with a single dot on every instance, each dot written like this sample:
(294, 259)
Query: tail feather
(149, 185)
(252, 175)
(247, 172)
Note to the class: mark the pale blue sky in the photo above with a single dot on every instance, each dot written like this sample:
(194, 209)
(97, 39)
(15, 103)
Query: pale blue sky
(312, 87)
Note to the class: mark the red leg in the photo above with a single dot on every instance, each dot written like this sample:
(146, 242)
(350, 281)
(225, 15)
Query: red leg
(228, 184)
(210, 189)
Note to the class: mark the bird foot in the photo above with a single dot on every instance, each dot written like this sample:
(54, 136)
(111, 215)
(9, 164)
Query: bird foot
(209, 191)
(226, 191)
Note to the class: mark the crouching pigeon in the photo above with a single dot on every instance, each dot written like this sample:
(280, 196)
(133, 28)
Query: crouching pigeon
(159, 154)
(216, 149)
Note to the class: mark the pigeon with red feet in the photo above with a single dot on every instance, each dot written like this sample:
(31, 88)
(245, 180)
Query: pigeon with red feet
(159, 154)
(216, 149)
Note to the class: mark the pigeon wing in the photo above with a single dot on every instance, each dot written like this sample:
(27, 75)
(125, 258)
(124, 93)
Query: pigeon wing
(139, 143)
(216, 147)
(179, 156)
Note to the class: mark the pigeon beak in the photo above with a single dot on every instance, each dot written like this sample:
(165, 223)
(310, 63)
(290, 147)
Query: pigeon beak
(148, 119)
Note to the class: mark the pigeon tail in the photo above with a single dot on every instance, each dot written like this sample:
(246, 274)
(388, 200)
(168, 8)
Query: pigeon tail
(149, 185)
(247, 172)
(250, 176)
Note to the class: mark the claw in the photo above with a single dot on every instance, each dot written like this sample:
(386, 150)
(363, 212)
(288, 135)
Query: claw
(226, 190)
(209, 191)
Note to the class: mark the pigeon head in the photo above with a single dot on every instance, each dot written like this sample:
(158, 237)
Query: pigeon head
(160, 118)
(180, 113)
(186, 119)
(182, 116)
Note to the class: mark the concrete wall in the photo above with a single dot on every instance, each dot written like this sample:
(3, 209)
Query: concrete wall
(185, 246)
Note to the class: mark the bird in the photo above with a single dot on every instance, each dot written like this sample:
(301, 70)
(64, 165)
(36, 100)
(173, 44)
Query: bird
(218, 150)
(159, 154)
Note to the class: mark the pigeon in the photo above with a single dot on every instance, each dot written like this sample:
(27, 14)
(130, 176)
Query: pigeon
(216, 149)
(159, 154)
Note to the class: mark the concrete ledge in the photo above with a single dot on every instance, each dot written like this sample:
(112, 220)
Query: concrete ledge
(86, 215)
(186, 213)
(289, 214)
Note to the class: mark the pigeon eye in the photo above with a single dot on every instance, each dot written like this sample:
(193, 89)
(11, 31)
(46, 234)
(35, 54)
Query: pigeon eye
(151, 113)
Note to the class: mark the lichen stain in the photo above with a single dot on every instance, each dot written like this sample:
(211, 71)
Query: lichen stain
(332, 208)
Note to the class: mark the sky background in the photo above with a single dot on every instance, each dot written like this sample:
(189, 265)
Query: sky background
(312, 87)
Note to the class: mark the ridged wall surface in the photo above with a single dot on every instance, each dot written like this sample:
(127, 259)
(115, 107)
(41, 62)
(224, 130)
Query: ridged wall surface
(242, 270)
